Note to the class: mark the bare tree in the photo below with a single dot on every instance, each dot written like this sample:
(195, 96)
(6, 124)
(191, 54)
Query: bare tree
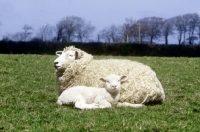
(114, 33)
(19, 36)
(186, 23)
(194, 21)
(105, 35)
(24, 35)
(177, 22)
(137, 32)
(27, 32)
(46, 32)
(126, 30)
(111, 34)
(60, 28)
(151, 27)
(167, 29)
(199, 31)
(69, 28)
(84, 31)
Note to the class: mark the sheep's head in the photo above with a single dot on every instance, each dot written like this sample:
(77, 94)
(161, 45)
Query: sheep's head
(64, 58)
(113, 82)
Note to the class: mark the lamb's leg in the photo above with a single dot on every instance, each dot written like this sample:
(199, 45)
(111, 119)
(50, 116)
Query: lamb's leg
(103, 103)
(80, 104)
(59, 102)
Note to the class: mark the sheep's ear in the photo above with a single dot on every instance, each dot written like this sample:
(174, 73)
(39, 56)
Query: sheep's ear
(123, 78)
(102, 79)
(58, 53)
(77, 55)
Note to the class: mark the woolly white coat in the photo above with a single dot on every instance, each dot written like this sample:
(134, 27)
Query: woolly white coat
(86, 71)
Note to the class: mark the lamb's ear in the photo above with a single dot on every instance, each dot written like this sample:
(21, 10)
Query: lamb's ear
(123, 78)
(102, 79)
(58, 53)
(77, 55)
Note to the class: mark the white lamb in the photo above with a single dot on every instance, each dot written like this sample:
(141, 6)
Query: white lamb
(91, 97)
(75, 67)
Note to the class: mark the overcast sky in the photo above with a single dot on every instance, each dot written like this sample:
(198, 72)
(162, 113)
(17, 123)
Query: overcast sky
(14, 14)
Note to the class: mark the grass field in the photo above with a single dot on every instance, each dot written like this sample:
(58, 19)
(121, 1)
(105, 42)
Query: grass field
(28, 92)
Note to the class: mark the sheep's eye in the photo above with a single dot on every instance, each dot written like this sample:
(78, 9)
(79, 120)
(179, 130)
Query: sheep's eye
(108, 81)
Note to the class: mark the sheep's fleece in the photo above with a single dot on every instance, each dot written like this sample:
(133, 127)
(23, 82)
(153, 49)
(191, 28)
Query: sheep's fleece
(86, 71)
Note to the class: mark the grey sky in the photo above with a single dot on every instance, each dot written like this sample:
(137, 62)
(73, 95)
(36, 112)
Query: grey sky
(14, 14)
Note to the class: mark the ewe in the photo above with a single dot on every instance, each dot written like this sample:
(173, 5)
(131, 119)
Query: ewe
(75, 67)
(90, 97)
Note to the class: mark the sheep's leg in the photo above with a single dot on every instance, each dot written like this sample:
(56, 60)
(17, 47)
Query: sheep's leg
(130, 105)
(133, 105)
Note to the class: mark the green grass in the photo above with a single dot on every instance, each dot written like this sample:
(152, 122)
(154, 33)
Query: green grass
(28, 92)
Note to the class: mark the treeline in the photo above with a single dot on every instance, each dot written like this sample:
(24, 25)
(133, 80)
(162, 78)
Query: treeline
(185, 28)
(123, 49)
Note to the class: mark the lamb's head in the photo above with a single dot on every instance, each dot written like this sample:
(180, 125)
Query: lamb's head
(113, 82)
(64, 58)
